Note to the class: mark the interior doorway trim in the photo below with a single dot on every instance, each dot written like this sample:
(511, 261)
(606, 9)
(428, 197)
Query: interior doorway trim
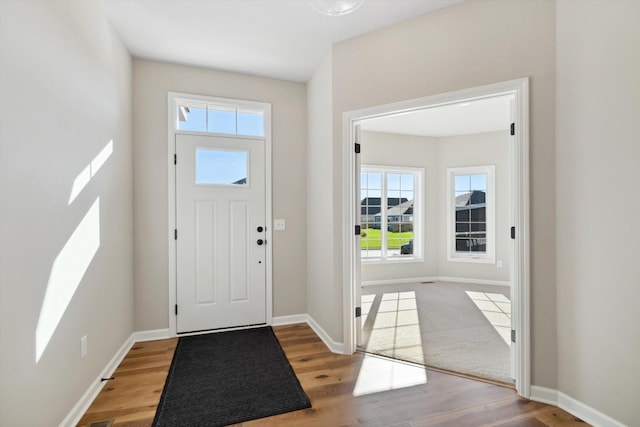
(519, 188)
(172, 100)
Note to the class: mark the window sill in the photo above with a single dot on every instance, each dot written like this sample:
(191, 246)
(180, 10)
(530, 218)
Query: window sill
(472, 260)
(391, 260)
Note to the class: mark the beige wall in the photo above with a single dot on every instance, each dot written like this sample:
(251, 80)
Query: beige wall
(466, 45)
(65, 84)
(320, 242)
(598, 173)
(152, 82)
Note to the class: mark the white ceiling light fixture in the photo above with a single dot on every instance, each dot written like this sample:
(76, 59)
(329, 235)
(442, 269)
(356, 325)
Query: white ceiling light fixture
(336, 7)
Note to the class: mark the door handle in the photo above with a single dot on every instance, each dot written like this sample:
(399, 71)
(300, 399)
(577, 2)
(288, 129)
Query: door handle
(260, 242)
(260, 229)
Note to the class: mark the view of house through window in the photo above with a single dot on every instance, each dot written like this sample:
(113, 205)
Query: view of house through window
(471, 213)
(388, 211)
(471, 210)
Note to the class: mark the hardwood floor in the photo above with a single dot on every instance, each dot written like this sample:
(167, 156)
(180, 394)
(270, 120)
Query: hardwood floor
(331, 380)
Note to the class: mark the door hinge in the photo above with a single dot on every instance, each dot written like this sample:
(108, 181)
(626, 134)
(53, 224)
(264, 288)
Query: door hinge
(176, 307)
(513, 232)
(513, 335)
(175, 159)
(513, 128)
(358, 311)
(175, 234)
(357, 148)
(358, 230)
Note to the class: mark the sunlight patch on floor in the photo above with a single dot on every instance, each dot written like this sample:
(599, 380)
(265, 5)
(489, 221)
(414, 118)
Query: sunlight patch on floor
(496, 308)
(396, 326)
(378, 374)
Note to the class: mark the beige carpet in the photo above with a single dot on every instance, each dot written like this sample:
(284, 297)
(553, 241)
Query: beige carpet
(463, 328)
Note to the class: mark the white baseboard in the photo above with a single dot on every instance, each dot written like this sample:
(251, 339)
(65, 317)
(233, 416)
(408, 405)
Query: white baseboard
(290, 320)
(76, 413)
(335, 347)
(151, 335)
(575, 407)
(435, 279)
(398, 281)
(544, 395)
(474, 281)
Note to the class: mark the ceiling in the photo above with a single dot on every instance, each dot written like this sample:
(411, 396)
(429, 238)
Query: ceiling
(465, 118)
(283, 39)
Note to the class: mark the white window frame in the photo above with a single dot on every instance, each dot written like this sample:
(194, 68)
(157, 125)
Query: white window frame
(418, 218)
(489, 257)
(234, 105)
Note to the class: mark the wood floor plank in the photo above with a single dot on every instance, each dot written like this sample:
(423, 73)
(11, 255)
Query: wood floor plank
(329, 380)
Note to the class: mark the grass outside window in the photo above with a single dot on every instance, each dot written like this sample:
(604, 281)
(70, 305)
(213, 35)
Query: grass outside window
(371, 238)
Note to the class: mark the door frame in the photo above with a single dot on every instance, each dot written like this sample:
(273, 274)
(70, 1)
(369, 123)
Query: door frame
(519, 188)
(172, 99)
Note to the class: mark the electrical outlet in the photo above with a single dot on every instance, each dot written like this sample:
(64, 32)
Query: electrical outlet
(499, 264)
(83, 347)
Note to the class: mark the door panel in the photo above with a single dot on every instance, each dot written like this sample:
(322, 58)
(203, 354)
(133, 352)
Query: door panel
(238, 251)
(220, 203)
(205, 251)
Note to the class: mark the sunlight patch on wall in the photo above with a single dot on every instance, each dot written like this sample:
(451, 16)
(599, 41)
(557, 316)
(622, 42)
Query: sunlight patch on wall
(496, 308)
(67, 272)
(378, 374)
(90, 171)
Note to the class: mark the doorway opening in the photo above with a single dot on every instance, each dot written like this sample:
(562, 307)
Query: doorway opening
(451, 290)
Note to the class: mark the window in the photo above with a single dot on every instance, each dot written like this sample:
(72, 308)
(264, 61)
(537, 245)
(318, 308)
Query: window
(390, 213)
(219, 118)
(471, 214)
(221, 167)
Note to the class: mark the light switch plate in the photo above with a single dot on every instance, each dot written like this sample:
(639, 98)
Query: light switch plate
(279, 224)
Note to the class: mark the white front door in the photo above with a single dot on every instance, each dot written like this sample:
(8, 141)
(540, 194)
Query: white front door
(221, 232)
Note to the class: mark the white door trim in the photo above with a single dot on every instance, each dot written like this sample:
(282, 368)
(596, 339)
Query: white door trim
(520, 216)
(172, 99)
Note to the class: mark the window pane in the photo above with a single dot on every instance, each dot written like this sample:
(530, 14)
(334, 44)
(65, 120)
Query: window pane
(478, 214)
(393, 181)
(470, 204)
(478, 226)
(374, 180)
(250, 123)
(462, 245)
(406, 195)
(393, 226)
(462, 227)
(221, 167)
(406, 182)
(462, 183)
(479, 182)
(477, 245)
(192, 117)
(462, 215)
(222, 120)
